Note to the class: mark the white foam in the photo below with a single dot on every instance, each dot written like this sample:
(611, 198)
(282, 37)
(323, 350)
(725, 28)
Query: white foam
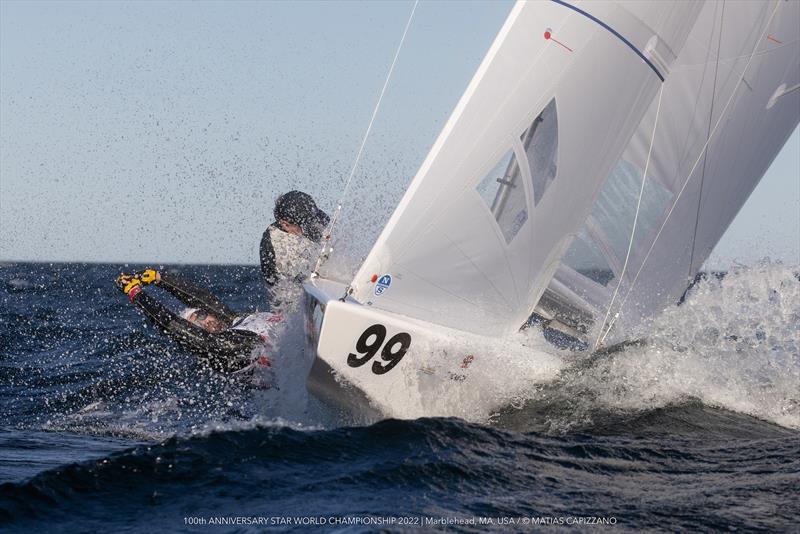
(500, 373)
(257, 422)
(733, 344)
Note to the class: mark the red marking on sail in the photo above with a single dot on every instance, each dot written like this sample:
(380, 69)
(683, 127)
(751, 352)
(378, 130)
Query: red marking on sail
(548, 36)
(771, 38)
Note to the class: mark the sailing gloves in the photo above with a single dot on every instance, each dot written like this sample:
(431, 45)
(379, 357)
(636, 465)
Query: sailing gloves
(131, 284)
(148, 276)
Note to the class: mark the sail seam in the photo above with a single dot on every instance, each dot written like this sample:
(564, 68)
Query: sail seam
(613, 32)
(708, 133)
(496, 289)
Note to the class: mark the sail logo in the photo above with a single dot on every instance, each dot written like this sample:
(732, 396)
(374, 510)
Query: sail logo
(383, 284)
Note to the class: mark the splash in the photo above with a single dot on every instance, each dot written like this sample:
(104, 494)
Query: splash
(475, 376)
(733, 344)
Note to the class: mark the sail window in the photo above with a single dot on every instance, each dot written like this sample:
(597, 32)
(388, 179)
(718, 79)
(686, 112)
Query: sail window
(615, 208)
(586, 257)
(504, 194)
(603, 241)
(541, 146)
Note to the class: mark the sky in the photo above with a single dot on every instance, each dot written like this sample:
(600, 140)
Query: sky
(161, 132)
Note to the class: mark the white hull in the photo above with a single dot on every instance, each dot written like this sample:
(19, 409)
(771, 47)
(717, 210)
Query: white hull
(438, 371)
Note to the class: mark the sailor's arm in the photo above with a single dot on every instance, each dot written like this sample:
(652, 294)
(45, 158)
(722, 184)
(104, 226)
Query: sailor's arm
(188, 293)
(225, 351)
(267, 255)
(165, 319)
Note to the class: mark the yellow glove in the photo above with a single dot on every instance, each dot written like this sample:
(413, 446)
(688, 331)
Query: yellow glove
(148, 276)
(128, 284)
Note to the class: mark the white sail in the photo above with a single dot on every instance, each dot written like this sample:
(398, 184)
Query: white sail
(512, 177)
(720, 126)
(534, 197)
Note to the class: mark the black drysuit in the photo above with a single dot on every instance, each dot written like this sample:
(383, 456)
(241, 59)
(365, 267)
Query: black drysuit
(225, 351)
(278, 251)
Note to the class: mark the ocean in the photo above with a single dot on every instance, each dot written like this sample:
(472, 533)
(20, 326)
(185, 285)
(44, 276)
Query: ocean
(105, 425)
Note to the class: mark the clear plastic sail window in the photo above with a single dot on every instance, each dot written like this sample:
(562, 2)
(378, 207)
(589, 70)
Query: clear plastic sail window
(603, 241)
(586, 257)
(504, 193)
(541, 146)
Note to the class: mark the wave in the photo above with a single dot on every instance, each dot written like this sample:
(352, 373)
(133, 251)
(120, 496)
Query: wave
(432, 466)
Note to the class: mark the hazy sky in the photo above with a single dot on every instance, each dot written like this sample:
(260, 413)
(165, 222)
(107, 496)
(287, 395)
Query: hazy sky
(161, 132)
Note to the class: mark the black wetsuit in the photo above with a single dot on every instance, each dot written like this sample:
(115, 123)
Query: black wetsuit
(225, 351)
(267, 254)
(288, 257)
(286, 260)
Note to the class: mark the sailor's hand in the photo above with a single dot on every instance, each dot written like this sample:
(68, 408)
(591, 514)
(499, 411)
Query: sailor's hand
(128, 284)
(122, 280)
(148, 276)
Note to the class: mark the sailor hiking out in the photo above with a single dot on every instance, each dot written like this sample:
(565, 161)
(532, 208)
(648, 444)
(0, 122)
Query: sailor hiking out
(223, 339)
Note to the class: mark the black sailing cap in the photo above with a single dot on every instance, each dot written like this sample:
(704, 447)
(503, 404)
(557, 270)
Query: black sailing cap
(299, 208)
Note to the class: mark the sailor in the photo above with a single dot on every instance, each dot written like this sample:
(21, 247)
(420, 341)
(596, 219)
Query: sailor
(221, 338)
(289, 246)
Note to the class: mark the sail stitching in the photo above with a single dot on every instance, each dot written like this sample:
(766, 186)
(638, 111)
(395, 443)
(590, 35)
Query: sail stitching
(733, 59)
(688, 178)
(329, 232)
(708, 132)
(635, 219)
(688, 139)
(516, 291)
(441, 288)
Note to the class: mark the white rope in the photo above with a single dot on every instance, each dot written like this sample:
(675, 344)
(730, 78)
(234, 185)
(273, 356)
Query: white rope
(688, 178)
(601, 337)
(329, 231)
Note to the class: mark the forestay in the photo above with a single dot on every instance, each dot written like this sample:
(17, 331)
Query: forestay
(515, 172)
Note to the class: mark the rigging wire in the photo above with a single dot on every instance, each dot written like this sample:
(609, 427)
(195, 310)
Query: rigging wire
(325, 250)
(688, 178)
(708, 131)
(635, 219)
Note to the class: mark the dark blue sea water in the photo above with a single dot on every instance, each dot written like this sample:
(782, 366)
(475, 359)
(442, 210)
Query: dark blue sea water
(106, 426)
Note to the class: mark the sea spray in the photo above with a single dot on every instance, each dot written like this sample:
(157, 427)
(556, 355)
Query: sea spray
(732, 344)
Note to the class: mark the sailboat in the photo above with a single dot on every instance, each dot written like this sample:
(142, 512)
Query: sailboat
(593, 162)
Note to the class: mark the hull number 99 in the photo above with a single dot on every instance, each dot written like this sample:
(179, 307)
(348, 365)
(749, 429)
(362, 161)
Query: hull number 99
(371, 341)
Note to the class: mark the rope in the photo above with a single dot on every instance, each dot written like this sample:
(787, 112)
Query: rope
(323, 254)
(602, 336)
(686, 182)
(708, 132)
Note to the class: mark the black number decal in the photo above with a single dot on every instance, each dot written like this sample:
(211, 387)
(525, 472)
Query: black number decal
(369, 343)
(393, 358)
(364, 347)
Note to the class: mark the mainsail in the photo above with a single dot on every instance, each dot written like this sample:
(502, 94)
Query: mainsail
(513, 176)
